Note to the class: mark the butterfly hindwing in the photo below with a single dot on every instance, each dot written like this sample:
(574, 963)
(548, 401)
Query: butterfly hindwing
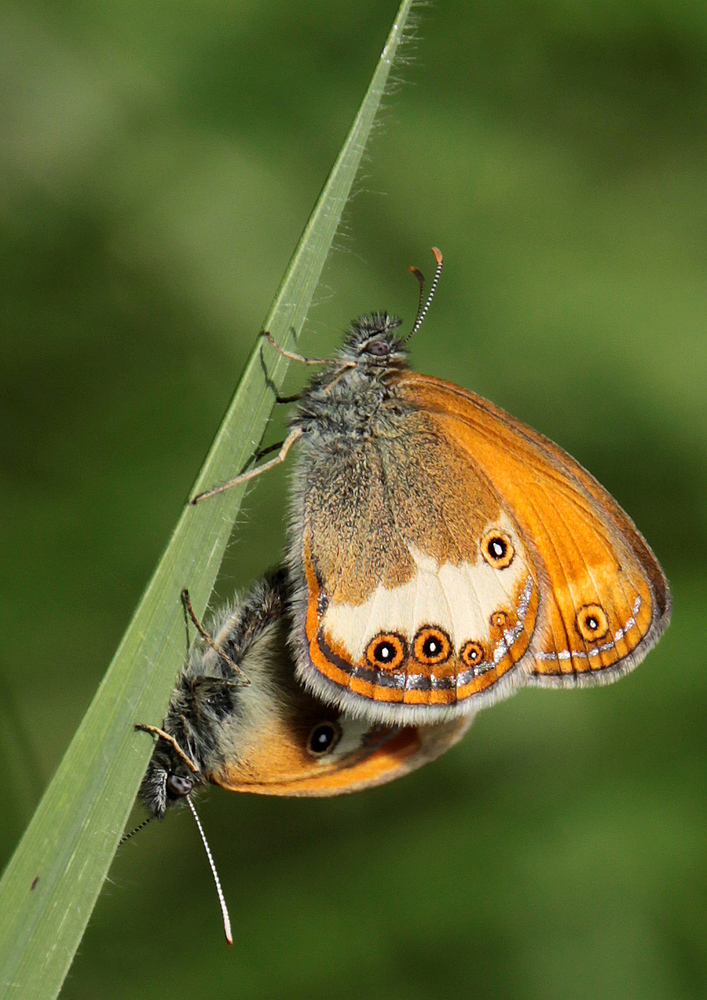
(420, 589)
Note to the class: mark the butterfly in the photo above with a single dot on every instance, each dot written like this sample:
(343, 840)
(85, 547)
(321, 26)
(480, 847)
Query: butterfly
(442, 553)
(238, 718)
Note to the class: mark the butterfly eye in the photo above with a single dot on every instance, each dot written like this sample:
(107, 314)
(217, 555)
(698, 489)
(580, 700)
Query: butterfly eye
(592, 622)
(497, 549)
(472, 654)
(431, 646)
(378, 348)
(178, 787)
(387, 650)
(323, 738)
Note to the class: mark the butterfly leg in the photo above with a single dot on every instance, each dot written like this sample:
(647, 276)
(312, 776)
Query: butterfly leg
(208, 639)
(291, 354)
(162, 735)
(262, 452)
(252, 473)
(305, 361)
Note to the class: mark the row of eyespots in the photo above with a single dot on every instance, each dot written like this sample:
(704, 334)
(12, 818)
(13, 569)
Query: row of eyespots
(431, 646)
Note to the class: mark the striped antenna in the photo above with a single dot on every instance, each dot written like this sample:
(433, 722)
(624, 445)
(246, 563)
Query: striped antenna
(422, 309)
(222, 901)
(140, 826)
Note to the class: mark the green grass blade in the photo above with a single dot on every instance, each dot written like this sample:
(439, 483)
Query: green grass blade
(53, 880)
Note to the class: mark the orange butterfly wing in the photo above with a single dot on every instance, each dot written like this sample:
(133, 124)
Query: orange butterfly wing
(604, 600)
(280, 766)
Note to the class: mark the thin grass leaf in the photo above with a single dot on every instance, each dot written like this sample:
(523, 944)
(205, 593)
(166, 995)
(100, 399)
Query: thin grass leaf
(53, 880)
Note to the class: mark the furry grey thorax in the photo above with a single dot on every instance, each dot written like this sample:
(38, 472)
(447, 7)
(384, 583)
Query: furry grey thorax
(353, 396)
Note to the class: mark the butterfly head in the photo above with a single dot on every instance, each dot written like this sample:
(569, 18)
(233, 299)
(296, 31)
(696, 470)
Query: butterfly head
(166, 781)
(373, 344)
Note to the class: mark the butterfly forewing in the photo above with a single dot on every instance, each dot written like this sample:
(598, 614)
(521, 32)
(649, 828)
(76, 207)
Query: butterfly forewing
(604, 599)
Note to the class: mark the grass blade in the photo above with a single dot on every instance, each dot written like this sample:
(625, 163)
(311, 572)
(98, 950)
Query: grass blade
(53, 880)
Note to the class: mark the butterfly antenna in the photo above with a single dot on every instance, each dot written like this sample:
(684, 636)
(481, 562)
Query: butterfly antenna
(421, 282)
(422, 309)
(222, 901)
(140, 826)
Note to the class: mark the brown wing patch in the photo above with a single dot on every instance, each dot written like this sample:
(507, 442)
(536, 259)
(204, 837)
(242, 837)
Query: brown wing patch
(604, 598)
(349, 528)
(365, 509)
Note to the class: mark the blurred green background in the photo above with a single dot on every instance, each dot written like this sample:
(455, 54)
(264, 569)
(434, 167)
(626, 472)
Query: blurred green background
(158, 164)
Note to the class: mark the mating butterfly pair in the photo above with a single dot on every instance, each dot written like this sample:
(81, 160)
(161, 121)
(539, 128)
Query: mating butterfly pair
(441, 555)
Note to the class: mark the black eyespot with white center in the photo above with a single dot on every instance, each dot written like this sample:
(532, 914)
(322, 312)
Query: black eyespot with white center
(592, 622)
(387, 651)
(473, 655)
(497, 549)
(431, 646)
(323, 738)
(499, 619)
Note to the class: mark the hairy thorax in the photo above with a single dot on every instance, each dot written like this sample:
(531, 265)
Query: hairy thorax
(358, 404)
